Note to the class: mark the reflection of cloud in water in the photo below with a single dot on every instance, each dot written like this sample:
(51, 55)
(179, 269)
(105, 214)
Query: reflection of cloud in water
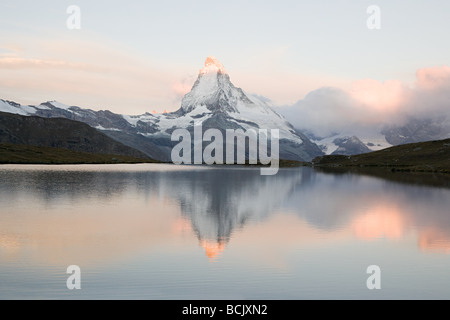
(434, 240)
(372, 207)
(379, 221)
(9, 243)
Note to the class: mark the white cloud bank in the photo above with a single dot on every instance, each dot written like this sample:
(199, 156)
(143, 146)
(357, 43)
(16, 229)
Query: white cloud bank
(371, 104)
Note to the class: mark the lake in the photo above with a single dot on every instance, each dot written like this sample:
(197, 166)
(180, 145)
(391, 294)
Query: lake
(160, 231)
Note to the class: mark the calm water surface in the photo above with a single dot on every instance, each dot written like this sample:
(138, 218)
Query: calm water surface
(159, 231)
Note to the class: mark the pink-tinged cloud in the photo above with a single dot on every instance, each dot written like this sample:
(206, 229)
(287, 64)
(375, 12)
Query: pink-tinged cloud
(372, 104)
(433, 78)
(23, 63)
(181, 87)
(383, 97)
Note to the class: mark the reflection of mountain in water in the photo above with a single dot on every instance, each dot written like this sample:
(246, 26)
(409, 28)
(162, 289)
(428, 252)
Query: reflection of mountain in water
(219, 201)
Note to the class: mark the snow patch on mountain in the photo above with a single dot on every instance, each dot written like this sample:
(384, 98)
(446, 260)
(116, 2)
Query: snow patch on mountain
(59, 105)
(330, 144)
(11, 107)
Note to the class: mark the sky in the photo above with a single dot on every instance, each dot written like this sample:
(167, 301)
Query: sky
(133, 57)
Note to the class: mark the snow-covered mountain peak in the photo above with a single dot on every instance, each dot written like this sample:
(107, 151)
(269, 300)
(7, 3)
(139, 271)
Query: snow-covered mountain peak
(214, 90)
(212, 65)
(216, 103)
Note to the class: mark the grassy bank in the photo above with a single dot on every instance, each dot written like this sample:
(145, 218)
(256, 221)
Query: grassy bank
(25, 154)
(430, 156)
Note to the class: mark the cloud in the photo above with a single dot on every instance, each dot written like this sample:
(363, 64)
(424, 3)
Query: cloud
(384, 97)
(7, 62)
(87, 73)
(372, 104)
(432, 78)
(431, 96)
(182, 86)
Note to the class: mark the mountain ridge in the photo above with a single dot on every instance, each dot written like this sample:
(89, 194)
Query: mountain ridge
(213, 102)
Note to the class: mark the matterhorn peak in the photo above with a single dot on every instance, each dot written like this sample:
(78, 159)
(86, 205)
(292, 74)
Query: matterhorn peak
(212, 65)
(213, 89)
